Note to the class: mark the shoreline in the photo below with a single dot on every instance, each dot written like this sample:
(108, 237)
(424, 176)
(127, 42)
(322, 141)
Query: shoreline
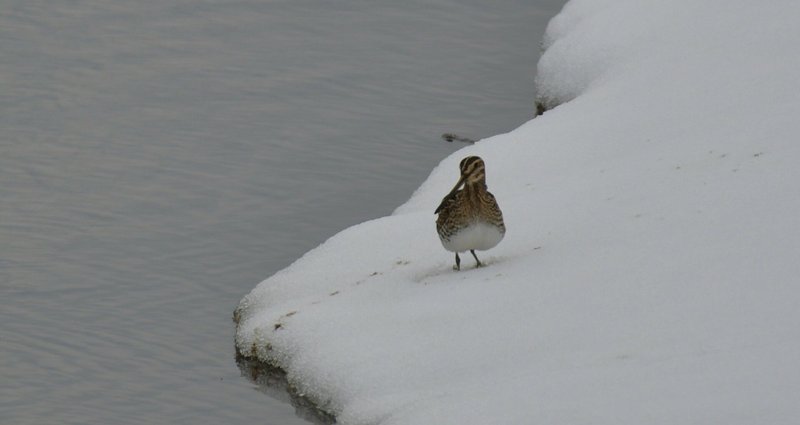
(271, 379)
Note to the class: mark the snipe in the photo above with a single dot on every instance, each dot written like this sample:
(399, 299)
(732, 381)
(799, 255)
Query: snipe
(469, 218)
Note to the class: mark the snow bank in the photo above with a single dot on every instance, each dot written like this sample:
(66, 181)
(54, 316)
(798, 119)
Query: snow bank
(650, 269)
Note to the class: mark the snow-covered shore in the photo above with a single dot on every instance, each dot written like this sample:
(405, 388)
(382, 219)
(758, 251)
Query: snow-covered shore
(651, 266)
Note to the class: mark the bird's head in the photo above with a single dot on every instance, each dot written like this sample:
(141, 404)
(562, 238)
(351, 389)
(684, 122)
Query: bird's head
(473, 170)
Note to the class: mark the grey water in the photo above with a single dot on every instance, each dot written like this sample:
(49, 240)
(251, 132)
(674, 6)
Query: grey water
(159, 158)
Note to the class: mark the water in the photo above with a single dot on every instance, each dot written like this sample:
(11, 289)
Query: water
(159, 158)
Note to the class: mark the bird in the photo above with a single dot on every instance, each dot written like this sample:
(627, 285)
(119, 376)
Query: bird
(469, 218)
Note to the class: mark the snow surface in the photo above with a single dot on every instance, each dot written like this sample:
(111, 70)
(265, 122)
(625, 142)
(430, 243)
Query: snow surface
(649, 274)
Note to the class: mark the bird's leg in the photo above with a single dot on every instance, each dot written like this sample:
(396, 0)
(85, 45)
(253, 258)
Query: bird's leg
(476, 258)
(458, 263)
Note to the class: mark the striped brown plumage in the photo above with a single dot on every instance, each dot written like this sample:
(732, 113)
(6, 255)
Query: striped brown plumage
(469, 218)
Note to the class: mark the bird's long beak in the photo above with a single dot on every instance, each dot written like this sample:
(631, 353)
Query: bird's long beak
(458, 185)
(449, 195)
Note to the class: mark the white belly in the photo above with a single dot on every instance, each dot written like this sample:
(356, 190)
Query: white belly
(480, 236)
